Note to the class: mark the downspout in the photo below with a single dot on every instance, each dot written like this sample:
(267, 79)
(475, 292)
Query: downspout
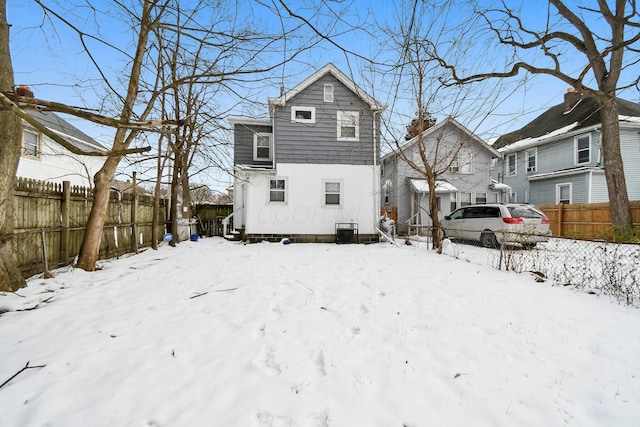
(376, 176)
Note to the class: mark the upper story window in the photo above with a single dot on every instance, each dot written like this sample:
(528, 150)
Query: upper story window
(511, 165)
(328, 93)
(30, 144)
(462, 163)
(278, 190)
(583, 149)
(332, 192)
(348, 125)
(531, 157)
(261, 146)
(303, 114)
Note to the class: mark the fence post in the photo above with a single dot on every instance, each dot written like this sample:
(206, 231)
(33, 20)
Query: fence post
(560, 219)
(64, 214)
(134, 212)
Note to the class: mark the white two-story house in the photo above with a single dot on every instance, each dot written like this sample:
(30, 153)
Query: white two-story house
(43, 159)
(557, 158)
(313, 166)
(462, 163)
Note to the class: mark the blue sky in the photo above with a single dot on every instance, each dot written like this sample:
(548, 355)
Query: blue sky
(47, 56)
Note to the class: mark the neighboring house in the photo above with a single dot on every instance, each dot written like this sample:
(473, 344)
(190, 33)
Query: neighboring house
(467, 162)
(314, 164)
(44, 159)
(557, 158)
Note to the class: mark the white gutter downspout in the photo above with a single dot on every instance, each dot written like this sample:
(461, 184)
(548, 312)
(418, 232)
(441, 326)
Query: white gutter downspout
(376, 177)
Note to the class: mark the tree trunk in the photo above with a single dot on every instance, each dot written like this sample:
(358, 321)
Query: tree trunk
(90, 251)
(614, 169)
(10, 149)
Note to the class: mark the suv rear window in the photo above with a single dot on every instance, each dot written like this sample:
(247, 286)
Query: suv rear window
(524, 212)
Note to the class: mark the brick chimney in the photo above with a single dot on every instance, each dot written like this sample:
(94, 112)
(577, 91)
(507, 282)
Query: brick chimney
(571, 98)
(23, 90)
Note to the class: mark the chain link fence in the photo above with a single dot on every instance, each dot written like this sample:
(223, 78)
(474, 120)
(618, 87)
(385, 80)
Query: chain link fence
(603, 268)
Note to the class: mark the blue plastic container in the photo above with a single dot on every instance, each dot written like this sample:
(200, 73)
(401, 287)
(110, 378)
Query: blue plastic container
(194, 238)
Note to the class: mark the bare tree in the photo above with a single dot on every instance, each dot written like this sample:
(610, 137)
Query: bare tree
(594, 49)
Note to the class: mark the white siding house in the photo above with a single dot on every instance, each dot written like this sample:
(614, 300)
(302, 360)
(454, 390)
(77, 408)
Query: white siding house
(43, 159)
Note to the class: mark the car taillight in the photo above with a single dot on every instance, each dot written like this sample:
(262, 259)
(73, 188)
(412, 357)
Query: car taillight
(513, 220)
(546, 220)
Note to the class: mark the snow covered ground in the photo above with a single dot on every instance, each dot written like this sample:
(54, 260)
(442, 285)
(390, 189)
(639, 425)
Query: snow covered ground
(215, 333)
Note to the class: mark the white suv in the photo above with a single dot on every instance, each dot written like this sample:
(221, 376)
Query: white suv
(493, 224)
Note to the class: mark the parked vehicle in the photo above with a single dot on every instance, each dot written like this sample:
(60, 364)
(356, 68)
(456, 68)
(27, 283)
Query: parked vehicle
(494, 224)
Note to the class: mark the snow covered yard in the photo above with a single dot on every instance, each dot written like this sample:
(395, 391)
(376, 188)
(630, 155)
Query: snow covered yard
(214, 333)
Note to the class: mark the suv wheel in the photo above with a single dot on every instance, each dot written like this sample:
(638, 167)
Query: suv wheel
(488, 240)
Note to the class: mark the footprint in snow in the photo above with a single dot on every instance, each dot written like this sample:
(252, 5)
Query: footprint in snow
(259, 332)
(266, 419)
(265, 362)
(318, 363)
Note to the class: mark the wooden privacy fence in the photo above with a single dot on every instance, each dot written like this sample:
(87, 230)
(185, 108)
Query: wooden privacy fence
(587, 220)
(50, 220)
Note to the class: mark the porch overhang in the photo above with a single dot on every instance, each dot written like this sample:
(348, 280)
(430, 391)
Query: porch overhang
(422, 186)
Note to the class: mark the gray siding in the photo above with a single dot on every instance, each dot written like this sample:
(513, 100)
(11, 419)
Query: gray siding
(317, 142)
(449, 138)
(243, 144)
(552, 157)
(543, 192)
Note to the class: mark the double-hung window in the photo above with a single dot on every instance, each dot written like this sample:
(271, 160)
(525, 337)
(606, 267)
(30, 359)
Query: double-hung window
(278, 190)
(465, 199)
(261, 146)
(481, 198)
(30, 144)
(332, 192)
(348, 125)
(583, 149)
(465, 162)
(512, 168)
(531, 157)
(328, 93)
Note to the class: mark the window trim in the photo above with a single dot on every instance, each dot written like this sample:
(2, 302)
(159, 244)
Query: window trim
(285, 190)
(507, 171)
(577, 150)
(485, 199)
(328, 95)
(296, 108)
(527, 156)
(355, 116)
(38, 149)
(325, 193)
(256, 135)
(558, 192)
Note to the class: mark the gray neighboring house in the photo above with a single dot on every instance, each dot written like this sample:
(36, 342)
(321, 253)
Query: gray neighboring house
(466, 181)
(557, 158)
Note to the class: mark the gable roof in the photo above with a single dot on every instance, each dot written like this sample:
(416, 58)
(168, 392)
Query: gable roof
(448, 121)
(554, 121)
(329, 68)
(65, 129)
